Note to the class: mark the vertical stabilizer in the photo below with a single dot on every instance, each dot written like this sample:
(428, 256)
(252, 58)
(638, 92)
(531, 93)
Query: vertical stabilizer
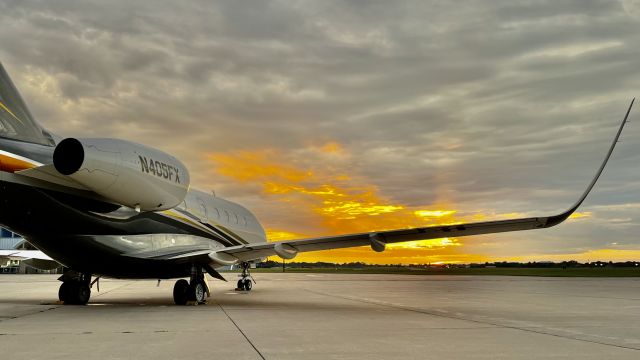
(16, 122)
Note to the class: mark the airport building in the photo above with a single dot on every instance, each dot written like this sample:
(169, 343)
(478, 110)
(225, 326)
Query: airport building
(12, 241)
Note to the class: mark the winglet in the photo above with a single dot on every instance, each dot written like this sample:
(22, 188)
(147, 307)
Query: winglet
(557, 219)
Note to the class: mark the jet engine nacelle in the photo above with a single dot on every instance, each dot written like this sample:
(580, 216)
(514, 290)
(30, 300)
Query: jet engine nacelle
(127, 173)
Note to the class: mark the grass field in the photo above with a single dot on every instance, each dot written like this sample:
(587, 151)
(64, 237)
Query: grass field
(554, 272)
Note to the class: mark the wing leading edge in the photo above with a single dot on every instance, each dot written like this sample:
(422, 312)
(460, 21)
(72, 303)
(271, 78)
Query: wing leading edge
(377, 240)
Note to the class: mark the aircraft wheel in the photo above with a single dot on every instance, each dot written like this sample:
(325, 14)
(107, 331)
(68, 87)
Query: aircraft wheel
(63, 291)
(74, 294)
(240, 285)
(180, 292)
(83, 294)
(247, 284)
(197, 292)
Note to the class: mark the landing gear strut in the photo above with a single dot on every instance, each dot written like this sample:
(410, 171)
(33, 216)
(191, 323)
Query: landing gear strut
(75, 288)
(246, 280)
(195, 290)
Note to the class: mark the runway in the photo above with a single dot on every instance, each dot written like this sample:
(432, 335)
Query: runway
(322, 316)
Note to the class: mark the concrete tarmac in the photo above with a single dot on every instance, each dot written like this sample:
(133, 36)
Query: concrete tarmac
(322, 316)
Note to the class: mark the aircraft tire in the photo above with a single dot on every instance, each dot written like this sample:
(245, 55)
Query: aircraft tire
(63, 292)
(180, 292)
(247, 284)
(74, 294)
(197, 292)
(83, 294)
(240, 285)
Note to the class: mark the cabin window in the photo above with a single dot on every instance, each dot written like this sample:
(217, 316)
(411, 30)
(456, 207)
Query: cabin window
(236, 216)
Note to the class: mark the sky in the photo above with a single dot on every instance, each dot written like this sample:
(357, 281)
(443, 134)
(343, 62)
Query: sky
(331, 117)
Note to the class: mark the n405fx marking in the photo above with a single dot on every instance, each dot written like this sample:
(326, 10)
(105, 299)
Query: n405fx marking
(109, 207)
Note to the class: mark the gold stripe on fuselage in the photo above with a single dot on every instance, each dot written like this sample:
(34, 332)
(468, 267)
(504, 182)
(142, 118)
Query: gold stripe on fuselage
(231, 233)
(185, 220)
(11, 163)
(173, 214)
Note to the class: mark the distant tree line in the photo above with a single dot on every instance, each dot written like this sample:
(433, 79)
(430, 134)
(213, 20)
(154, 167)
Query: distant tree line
(501, 264)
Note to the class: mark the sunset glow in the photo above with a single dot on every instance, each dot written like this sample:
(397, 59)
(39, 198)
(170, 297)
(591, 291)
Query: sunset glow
(343, 203)
(580, 215)
(434, 213)
(333, 199)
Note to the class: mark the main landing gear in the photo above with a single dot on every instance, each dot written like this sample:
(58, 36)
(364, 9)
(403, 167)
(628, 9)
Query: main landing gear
(246, 280)
(195, 289)
(75, 288)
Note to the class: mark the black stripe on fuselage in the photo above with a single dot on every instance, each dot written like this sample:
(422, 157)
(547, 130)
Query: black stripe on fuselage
(236, 241)
(190, 229)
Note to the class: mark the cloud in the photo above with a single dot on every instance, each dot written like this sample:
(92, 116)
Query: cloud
(489, 108)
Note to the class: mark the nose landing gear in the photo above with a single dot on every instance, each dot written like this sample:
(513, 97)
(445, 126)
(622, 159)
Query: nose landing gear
(246, 280)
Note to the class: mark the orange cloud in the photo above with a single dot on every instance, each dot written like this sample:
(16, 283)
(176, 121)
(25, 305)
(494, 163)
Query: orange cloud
(281, 235)
(581, 215)
(332, 148)
(339, 203)
(434, 213)
(248, 166)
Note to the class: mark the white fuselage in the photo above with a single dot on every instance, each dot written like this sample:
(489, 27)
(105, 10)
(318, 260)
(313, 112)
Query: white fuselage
(232, 218)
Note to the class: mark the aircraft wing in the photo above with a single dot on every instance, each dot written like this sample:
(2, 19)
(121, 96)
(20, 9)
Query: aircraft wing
(34, 258)
(377, 240)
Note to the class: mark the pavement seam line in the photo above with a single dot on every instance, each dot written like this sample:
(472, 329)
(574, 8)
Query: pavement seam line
(241, 332)
(9, 318)
(100, 293)
(393, 306)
